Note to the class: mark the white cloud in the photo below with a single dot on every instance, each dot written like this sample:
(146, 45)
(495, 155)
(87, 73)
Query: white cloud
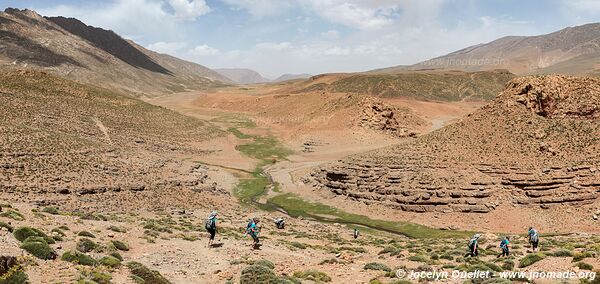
(189, 10)
(261, 8)
(167, 47)
(364, 15)
(204, 50)
(331, 34)
(274, 46)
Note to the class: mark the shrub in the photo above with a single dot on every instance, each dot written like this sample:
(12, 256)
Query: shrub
(23, 233)
(86, 245)
(256, 274)
(110, 261)
(12, 214)
(585, 266)
(418, 258)
(117, 229)
(51, 210)
(86, 234)
(508, 265)
(78, 258)
(117, 256)
(562, 253)
(120, 245)
(581, 255)
(58, 232)
(7, 226)
(144, 273)
(312, 275)
(376, 266)
(38, 247)
(531, 259)
(15, 275)
(265, 263)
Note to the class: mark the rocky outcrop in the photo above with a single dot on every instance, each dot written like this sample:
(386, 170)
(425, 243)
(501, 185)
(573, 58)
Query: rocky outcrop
(377, 115)
(536, 145)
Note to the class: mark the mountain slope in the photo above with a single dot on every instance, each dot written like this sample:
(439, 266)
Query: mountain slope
(523, 54)
(424, 85)
(536, 145)
(242, 76)
(60, 139)
(69, 48)
(288, 77)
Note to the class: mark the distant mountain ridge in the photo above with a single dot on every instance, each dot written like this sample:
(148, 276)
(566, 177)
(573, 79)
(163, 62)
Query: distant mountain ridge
(288, 77)
(242, 75)
(562, 51)
(69, 48)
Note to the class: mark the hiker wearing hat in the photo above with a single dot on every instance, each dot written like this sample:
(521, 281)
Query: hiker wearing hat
(253, 230)
(473, 246)
(211, 227)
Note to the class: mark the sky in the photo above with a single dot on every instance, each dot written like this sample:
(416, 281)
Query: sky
(275, 37)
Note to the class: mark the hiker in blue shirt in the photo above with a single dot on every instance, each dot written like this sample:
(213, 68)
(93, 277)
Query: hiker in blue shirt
(504, 246)
(253, 230)
(211, 227)
(534, 238)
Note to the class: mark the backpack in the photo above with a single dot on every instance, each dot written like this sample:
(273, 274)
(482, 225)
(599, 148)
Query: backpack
(210, 224)
(533, 236)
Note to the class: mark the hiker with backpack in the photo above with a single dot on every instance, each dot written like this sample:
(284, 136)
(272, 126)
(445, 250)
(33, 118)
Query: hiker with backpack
(473, 246)
(279, 223)
(534, 238)
(253, 230)
(504, 246)
(355, 234)
(211, 227)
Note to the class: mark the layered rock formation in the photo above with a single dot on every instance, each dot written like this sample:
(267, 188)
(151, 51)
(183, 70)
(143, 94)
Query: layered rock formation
(537, 144)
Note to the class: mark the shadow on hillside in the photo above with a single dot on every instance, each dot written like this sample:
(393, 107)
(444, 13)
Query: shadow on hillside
(111, 43)
(24, 49)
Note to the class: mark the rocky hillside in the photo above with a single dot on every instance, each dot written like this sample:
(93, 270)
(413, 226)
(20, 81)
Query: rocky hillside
(536, 145)
(69, 48)
(425, 85)
(242, 76)
(87, 147)
(525, 54)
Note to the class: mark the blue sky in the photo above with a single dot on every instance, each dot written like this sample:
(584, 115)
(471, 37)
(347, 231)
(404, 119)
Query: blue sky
(317, 36)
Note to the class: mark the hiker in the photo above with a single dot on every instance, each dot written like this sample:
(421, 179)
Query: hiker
(253, 230)
(279, 223)
(504, 246)
(534, 238)
(211, 227)
(473, 246)
(356, 233)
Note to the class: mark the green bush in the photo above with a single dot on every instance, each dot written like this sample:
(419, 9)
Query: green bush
(508, 265)
(562, 253)
(418, 258)
(531, 259)
(117, 256)
(78, 258)
(38, 247)
(86, 234)
(117, 229)
(581, 255)
(12, 214)
(15, 275)
(256, 274)
(120, 245)
(86, 245)
(585, 266)
(265, 263)
(313, 275)
(51, 210)
(110, 261)
(7, 226)
(58, 232)
(23, 233)
(145, 274)
(377, 266)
